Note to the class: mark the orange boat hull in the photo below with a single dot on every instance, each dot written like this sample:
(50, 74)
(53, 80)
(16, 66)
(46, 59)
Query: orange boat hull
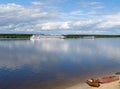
(108, 79)
(93, 83)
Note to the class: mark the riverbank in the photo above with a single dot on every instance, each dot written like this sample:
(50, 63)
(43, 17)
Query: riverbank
(111, 85)
(15, 36)
(91, 36)
(20, 36)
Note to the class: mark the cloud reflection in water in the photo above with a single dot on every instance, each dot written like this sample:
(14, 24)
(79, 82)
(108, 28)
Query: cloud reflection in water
(44, 61)
(16, 54)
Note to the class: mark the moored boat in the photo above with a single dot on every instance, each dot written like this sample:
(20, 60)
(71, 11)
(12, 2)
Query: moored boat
(117, 73)
(108, 79)
(93, 82)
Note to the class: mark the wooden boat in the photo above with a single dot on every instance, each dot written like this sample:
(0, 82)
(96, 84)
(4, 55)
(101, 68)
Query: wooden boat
(118, 73)
(108, 79)
(93, 83)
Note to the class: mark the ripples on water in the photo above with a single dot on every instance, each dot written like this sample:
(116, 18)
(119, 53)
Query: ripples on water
(52, 63)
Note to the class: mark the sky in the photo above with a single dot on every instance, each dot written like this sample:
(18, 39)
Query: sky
(60, 16)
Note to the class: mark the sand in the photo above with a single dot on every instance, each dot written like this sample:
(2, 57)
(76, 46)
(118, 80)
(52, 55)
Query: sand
(112, 85)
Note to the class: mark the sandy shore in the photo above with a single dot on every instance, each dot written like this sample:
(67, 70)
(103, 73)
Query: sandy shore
(112, 85)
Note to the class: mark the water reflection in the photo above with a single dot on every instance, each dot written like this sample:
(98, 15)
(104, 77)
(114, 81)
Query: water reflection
(43, 64)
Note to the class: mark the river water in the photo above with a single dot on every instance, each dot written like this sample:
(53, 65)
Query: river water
(56, 63)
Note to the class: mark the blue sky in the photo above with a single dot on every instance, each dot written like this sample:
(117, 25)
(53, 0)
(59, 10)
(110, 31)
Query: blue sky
(60, 16)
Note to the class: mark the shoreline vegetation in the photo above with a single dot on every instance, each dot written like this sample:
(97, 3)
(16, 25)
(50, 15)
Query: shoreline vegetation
(91, 36)
(15, 36)
(27, 36)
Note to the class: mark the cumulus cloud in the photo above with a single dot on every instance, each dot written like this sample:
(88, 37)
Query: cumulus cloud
(39, 16)
(77, 13)
(93, 5)
(108, 24)
(37, 3)
(54, 25)
(14, 16)
(114, 16)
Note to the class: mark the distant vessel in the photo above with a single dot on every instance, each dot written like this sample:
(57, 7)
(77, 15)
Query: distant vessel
(38, 37)
(89, 37)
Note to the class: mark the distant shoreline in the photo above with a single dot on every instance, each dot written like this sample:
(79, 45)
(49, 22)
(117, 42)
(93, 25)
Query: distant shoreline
(27, 36)
(91, 36)
(15, 36)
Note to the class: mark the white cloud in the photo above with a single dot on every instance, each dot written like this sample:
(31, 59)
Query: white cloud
(37, 3)
(10, 7)
(37, 17)
(54, 25)
(22, 17)
(98, 7)
(108, 24)
(110, 21)
(93, 5)
(77, 13)
(114, 16)
(84, 23)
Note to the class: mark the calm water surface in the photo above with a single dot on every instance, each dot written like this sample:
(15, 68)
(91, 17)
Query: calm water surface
(56, 63)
